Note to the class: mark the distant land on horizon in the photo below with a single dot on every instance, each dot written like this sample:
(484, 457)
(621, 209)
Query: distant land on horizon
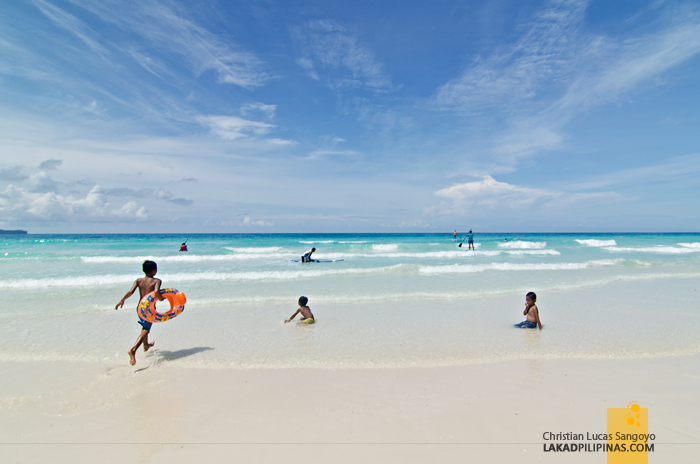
(2, 231)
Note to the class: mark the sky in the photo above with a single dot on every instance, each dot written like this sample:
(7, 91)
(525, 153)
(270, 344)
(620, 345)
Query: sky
(159, 116)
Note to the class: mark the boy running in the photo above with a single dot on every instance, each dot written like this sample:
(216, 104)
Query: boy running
(145, 285)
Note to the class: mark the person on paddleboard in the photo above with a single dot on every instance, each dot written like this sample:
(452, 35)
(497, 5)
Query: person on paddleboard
(306, 258)
(183, 247)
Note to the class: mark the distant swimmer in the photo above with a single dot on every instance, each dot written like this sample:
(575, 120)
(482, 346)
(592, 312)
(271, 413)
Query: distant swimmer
(532, 320)
(306, 316)
(470, 238)
(183, 247)
(306, 257)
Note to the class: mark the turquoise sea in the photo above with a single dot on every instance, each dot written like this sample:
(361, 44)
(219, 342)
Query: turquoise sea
(395, 300)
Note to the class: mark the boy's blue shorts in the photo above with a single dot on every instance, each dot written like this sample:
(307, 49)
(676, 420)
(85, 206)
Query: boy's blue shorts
(526, 325)
(145, 324)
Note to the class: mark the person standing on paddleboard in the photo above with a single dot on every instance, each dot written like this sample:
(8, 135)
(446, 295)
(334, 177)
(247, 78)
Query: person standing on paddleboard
(470, 238)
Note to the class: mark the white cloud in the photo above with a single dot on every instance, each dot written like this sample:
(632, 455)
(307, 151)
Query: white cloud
(50, 164)
(159, 194)
(258, 109)
(42, 182)
(546, 50)
(626, 65)
(130, 210)
(407, 225)
(526, 137)
(148, 63)
(233, 127)
(329, 46)
(307, 64)
(72, 24)
(489, 193)
(678, 169)
(556, 70)
(247, 221)
(316, 154)
(166, 28)
(282, 142)
(19, 204)
(11, 174)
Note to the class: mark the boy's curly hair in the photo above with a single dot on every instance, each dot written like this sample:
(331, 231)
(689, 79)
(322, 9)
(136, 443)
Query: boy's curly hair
(149, 266)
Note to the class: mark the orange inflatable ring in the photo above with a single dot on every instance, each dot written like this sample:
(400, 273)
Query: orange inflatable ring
(147, 306)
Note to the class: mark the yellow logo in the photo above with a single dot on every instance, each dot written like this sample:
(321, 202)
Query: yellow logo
(628, 435)
(634, 416)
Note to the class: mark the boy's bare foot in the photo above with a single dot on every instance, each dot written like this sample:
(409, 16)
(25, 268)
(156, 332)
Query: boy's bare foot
(132, 357)
(146, 346)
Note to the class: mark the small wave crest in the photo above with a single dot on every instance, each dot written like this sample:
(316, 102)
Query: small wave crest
(533, 252)
(694, 245)
(522, 244)
(471, 268)
(171, 279)
(385, 247)
(597, 243)
(257, 250)
(176, 259)
(669, 250)
(76, 281)
(424, 254)
(311, 242)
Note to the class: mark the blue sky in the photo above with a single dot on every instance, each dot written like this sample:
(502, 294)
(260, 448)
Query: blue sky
(164, 116)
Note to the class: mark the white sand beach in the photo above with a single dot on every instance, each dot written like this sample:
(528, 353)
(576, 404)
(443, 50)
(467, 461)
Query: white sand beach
(163, 414)
(412, 363)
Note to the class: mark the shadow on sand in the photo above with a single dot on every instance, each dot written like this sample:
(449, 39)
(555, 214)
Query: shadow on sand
(166, 355)
(156, 357)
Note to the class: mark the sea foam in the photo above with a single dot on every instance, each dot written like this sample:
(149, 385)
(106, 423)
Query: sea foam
(657, 249)
(471, 268)
(522, 244)
(533, 252)
(385, 247)
(597, 243)
(257, 250)
(109, 279)
(175, 259)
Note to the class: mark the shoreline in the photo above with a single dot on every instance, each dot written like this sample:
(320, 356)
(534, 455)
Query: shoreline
(503, 402)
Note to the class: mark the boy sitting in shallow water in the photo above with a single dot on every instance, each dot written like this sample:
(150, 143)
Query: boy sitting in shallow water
(533, 315)
(145, 285)
(306, 316)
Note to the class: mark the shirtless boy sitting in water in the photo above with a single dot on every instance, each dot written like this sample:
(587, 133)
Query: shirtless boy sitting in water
(145, 285)
(306, 316)
(533, 314)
